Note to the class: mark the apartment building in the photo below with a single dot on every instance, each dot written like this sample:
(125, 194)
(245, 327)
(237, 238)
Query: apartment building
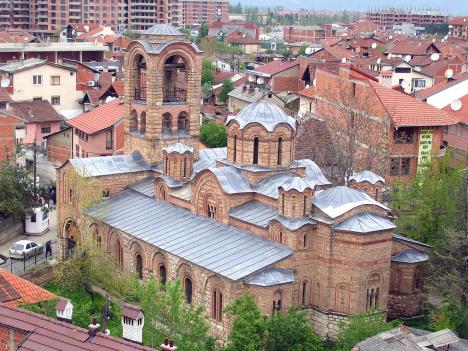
(386, 18)
(459, 27)
(308, 34)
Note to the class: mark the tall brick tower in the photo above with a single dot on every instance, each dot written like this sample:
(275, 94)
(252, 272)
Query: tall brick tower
(162, 91)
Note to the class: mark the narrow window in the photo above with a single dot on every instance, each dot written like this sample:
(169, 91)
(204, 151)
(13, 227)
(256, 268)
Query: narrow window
(280, 151)
(109, 140)
(188, 290)
(162, 274)
(235, 148)
(255, 151)
(185, 167)
(305, 288)
(306, 241)
(105, 192)
(305, 206)
(217, 306)
(139, 266)
(282, 204)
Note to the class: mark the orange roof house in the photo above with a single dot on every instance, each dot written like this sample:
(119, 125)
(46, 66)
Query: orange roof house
(16, 291)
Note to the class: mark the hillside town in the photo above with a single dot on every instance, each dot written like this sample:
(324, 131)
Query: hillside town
(219, 176)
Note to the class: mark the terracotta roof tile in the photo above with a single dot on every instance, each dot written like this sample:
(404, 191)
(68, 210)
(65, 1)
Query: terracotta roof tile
(405, 110)
(16, 291)
(99, 118)
(308, 92)
(34, 111)
(461, 114)
(4, 96)
(410, 47)
(276, 66)
(119, 88)
(436, 88)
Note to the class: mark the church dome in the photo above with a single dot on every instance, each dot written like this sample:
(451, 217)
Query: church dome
(265, 113)
(163, 29)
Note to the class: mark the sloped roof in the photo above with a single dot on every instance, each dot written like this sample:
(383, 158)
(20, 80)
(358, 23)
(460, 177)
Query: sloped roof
(44, 333)
(308, 92)
(4, 96)
(222, 249)
(271, 276)
(297, 183)
(462, 113)
(178, 147)
(313, 172)
(275, 67)
(34, 111)
(163, 29)
(232, 179)
(16, 291)
(410, 256)
(410, 47)
(365, 222)
(437, 88)
(366, 176)
(404, 110)
(99, 118)
(340, 199)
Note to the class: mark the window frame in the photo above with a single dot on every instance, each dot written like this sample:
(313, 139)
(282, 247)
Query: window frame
(53, 80)
(37, 80)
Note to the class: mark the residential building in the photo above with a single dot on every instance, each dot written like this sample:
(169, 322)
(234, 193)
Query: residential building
(39, 80)
(278, 75)
(222, 28)
(192, 13)
(59, 146)
(308, 34)
(244, 95)
(21, 329)
(411, 48)
(248, 45)
(8, 125)
(459, 27)
(249, 218)
(41, 119)
(386, 18)
(99, 132)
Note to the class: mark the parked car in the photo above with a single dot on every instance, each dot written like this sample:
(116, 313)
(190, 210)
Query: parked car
(25, 248)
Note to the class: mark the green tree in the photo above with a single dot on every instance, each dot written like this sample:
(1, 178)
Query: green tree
(202, 31)
(16, 191)
(226, 88)
(168, 315)
(432, 203)
(208, 70)
(302, 49)
(213, 134)
(451, 315)
(249, 326)
(291, 331)
(361, 327)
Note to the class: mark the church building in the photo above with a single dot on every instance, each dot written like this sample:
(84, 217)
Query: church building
(249, 218)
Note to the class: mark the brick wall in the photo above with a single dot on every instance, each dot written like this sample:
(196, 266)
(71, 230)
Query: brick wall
(7, 137)
(10, 338)
(59, 147)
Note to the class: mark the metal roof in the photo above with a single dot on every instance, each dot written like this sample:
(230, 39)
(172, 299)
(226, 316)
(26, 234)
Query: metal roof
(145, 187)
(171, 182)
(365, 222)
(341, 199)
(263, 112)
(271, 276)
(163, 29)
(260, 214)
(269, 186)
(232, 179)
(178, 147)
(313, 172)
(108, 165)
(207, 158)
(158, 48)
(223, 249)
(297, 183)
(366, 176)
(410, 256)
(412, 241)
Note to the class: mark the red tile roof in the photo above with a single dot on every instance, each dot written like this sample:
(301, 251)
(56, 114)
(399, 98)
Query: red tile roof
(34, 111)
(461, 114)
(119, 87)
(458, 21)
(4, 96)
(16, 291)
(99, 118)
(405, 110)
(44, 333)
(277, 66)
(436, 88)
(91, 33)
(410, 47)
(308, 92)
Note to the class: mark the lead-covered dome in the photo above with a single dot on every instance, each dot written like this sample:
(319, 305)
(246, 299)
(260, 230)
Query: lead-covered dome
(265, 113)
(163, 29)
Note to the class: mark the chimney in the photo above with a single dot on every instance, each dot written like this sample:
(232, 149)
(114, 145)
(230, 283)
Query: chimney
(168, 345)
(64, 310)
(133, 320)
(93, 328)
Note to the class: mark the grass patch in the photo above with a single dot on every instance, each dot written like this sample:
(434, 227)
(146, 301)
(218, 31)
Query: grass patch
(84, 308)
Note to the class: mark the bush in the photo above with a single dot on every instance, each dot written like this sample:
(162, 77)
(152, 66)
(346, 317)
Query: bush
(213, 135)
(226, 88)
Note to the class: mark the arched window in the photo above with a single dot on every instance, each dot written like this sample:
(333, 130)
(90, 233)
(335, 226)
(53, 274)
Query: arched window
(185, 167)
(316, 295)
(118, 253)
(175, 80)
(142, 124)
(377, 194)
(305, 241)
(188, 289)
(305, 287)
(162, 274)
(277, 302)
(140, 84)
(342, 298)
(105, 192)
(282, 204)
(255, 151)
(182, 122)
(217, 306)
(277, 234)
(235, 149)
(417, 280)
(395, 279)
(373, 291)
(166, 123)
(139, 266)
(133, 121)
(166, 164)
(305, 206)
(280, 151)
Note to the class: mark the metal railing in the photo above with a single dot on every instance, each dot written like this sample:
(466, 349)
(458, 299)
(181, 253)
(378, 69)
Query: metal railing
(175, 95)
(140, 94)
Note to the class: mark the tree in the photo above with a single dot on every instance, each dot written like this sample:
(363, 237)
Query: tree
(226, 88)
(213, 134)
(208, 70)
(202, 31)
(168, 315)
(361, 327)
(16, 191)
(451, 315)
(249, 325)
(302, 49)
(291, 331)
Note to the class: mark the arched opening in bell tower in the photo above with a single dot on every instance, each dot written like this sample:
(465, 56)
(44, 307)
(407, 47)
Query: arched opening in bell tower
(175, 80)
(140, 78)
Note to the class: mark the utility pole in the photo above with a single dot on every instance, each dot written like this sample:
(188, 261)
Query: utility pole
(35, 167)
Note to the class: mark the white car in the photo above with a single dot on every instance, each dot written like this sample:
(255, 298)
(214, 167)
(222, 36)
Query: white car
(25, 248)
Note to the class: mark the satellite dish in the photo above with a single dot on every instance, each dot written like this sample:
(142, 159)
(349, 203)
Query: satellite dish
(5, 82)
(379, 61)
(390, 37)
(96, 76)
(407, 58)
(433, 40)
(450, 26)
(308, 51)
(343, 60)
(251, 79)
(307, 85)
(374, 45)
(260, 80)
(456, 105)
(301, 112)
(314, 82)
(109, 99)
(405, 85)
(448, 73)
(435, 57)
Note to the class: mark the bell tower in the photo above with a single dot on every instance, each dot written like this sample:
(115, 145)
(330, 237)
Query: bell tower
(162, 92)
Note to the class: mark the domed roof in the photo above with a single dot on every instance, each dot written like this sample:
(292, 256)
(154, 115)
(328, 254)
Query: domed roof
(297, 183)
(163, 29)
(367, 176)
(267, 114)
(178, 147)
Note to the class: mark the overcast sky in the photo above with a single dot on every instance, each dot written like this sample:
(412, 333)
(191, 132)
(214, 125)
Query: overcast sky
(453, 7)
